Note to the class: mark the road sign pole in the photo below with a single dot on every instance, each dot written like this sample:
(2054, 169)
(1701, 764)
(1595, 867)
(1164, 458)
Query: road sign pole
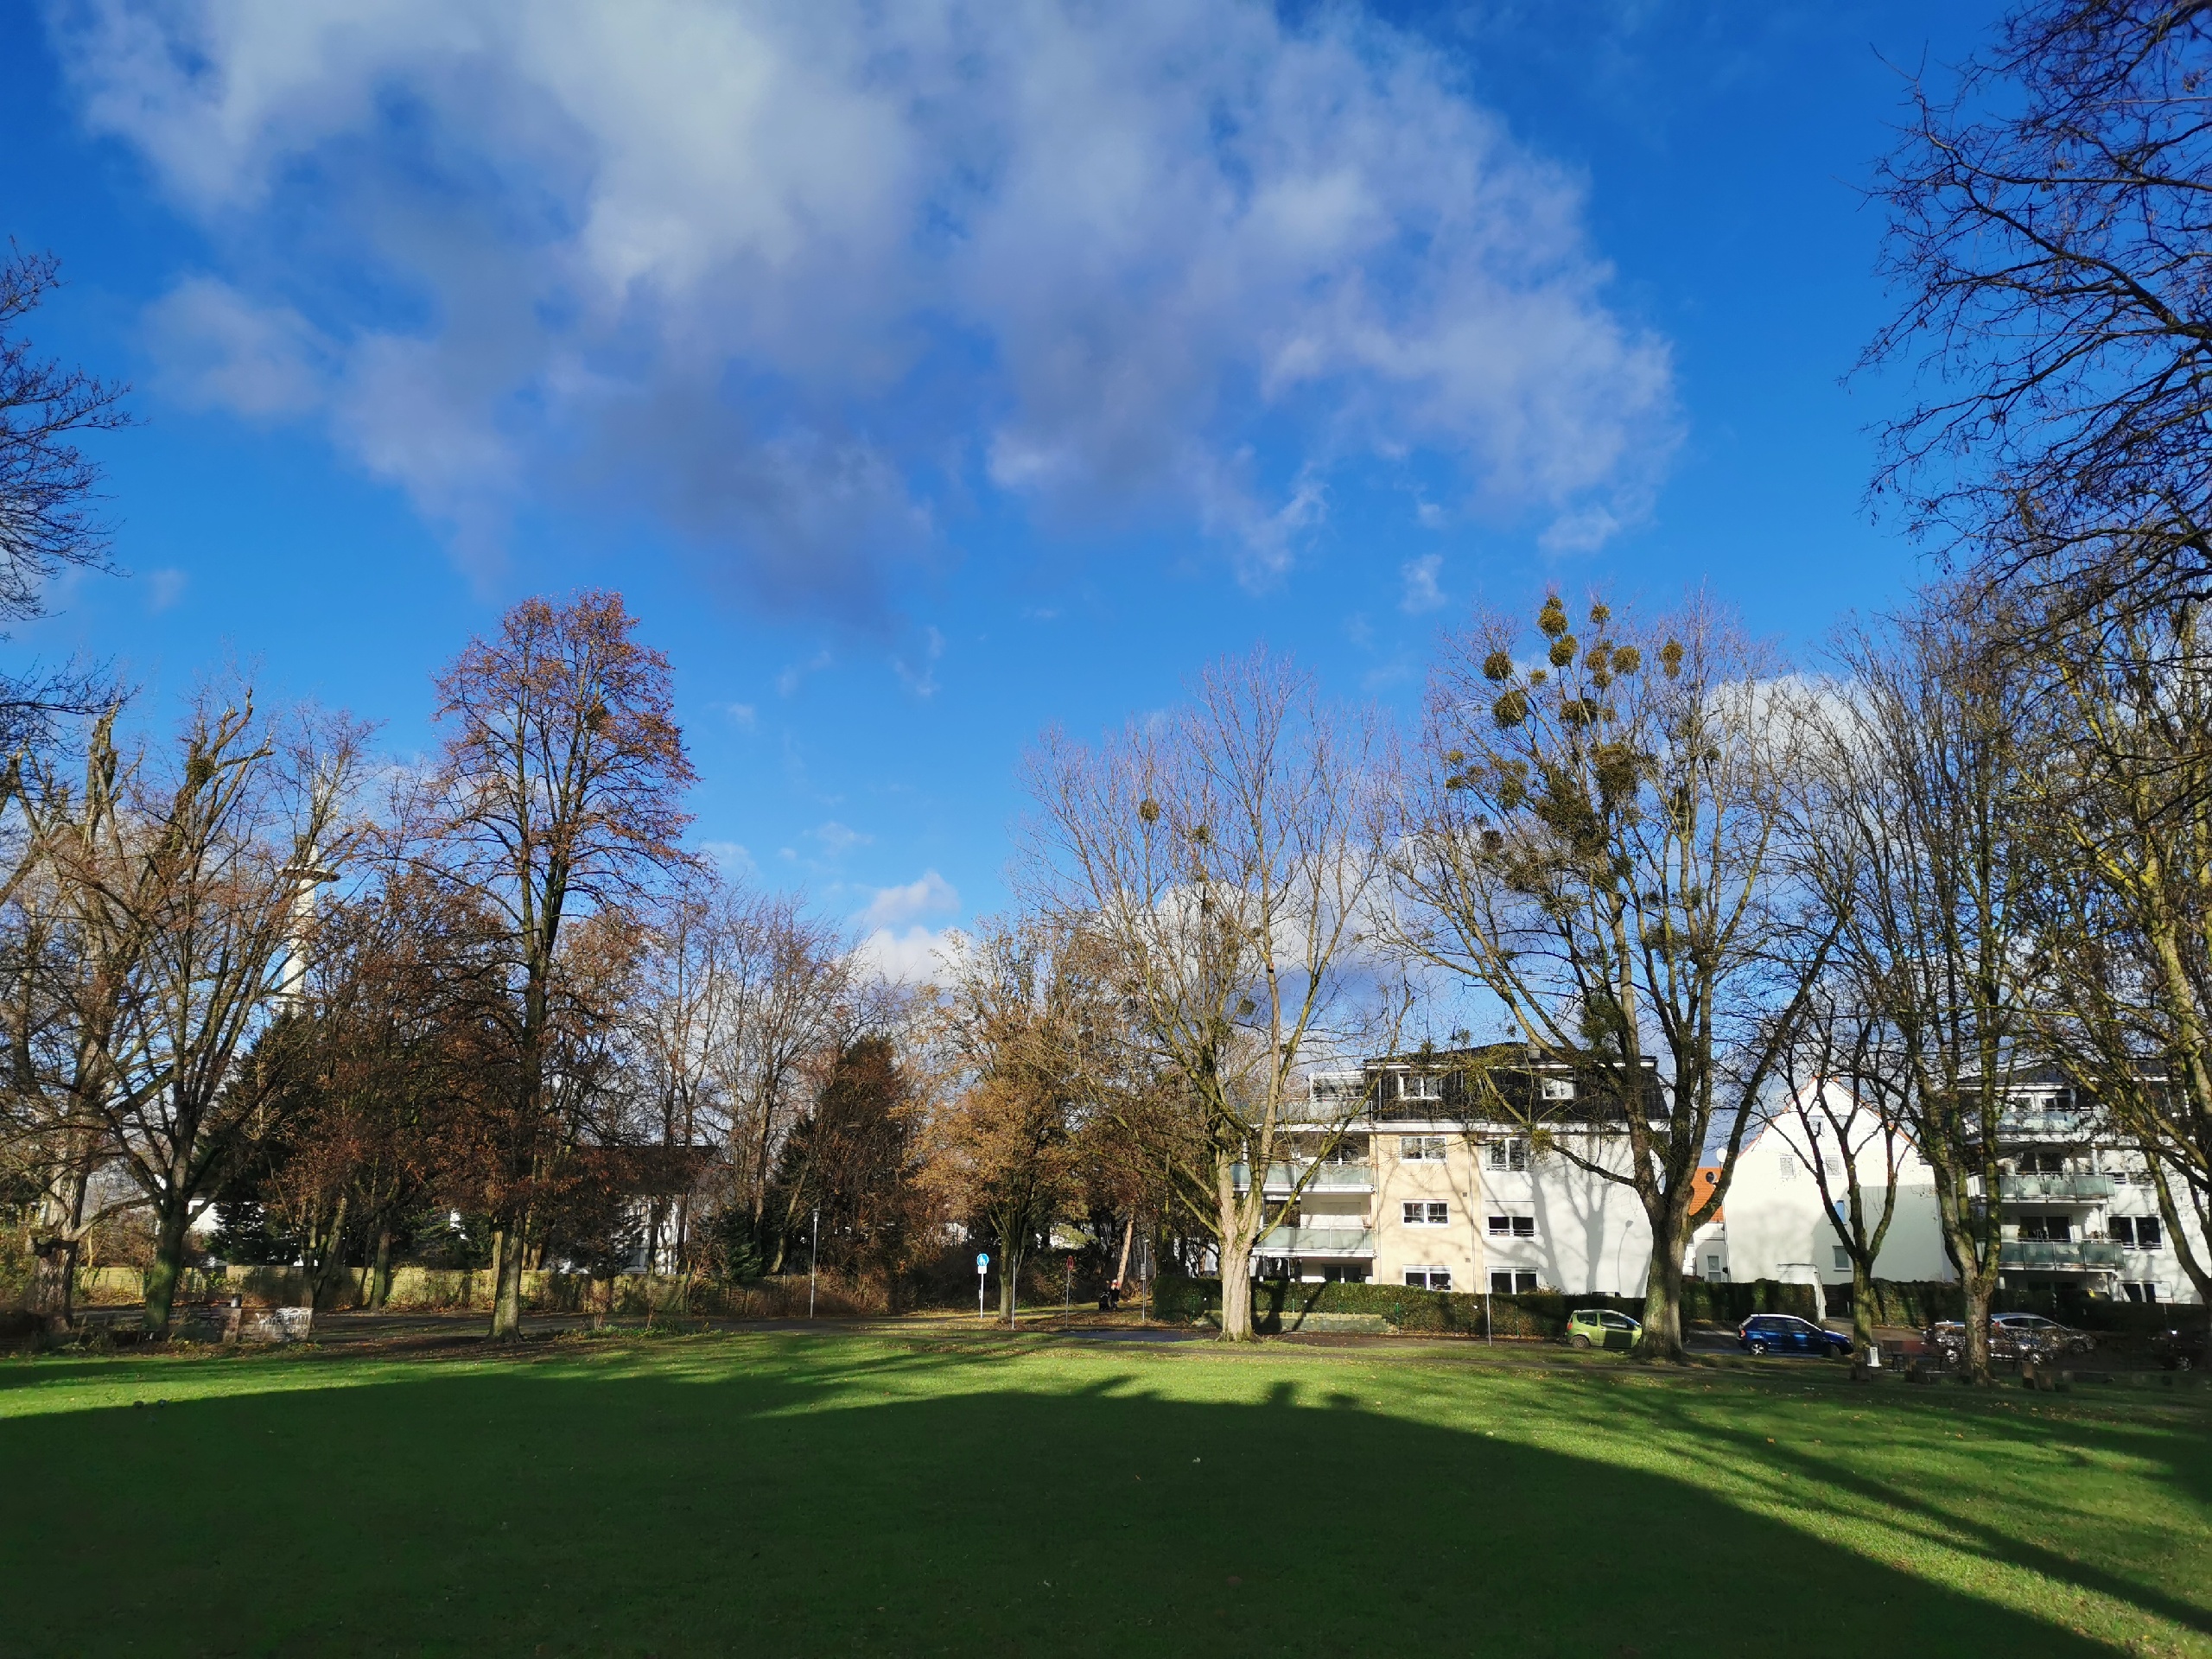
(813, 1260)
(983, 1267)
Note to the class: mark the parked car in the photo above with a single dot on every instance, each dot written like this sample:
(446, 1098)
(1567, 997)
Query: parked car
(1785, 1334)
(1594, 1327)
(2013, 1336)
(2180, 1350)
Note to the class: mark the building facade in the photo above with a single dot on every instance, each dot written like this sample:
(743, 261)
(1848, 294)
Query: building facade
(1418, 1184)
(1416, 1180)
(2076, 1206)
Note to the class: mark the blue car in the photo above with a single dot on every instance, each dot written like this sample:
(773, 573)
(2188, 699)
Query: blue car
(1785, 1334)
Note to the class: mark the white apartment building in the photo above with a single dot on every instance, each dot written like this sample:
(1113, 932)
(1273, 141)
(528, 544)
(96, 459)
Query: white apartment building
(1422, 1188)
(2078, 1206)
(1773, 1224)
(1419, 1184)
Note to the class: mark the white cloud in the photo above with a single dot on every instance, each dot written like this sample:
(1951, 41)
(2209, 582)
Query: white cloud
(743, 715)
(730, 857)
(837, 839)
(1421, 592)
(932, 895)
(921, 679)
(218, 348)
(1583, 531)
(792, 678)
(164, 587)
(793, 277)
(914, 957)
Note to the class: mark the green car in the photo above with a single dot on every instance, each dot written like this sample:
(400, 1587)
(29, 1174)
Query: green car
(1600, 1327)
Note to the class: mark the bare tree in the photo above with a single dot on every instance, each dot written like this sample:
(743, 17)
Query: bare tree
(2125, 913)
(1598, 841)
(49, 487)
(1221, 859)
(557, 790)
(70, 980)
(2051, 221)
(1844, 1096)
(1929, 762)
(202, 866)
(790, 999)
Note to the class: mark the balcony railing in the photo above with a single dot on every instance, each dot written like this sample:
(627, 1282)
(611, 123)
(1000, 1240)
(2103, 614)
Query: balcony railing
(1329, 1178)
(2076, 1255)
(1318, 1241)
(2064, 1189)
(2033, 1122)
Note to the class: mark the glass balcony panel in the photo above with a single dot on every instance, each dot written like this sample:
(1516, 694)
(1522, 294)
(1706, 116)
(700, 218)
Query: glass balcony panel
(1329, 1178)
(2082, 1188)
(2073, 1255)
(1318, 1241)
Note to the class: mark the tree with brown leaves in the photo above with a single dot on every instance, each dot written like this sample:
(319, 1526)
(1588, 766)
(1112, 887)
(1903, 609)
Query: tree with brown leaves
(557, 792)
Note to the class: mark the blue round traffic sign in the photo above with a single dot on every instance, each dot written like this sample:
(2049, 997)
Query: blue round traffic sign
(982, 1260)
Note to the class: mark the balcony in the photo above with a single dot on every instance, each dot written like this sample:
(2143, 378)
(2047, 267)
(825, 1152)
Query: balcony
(1329, 1178)
(2061, 1189)
(2074, 1257)
(1317, 1242)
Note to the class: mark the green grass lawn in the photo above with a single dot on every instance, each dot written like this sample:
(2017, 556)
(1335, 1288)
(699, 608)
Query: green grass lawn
(774, 1494)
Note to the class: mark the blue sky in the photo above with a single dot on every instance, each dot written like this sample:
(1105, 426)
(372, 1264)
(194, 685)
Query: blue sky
(926, 375)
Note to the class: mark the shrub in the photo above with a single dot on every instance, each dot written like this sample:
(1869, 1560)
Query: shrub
(1279, 1303)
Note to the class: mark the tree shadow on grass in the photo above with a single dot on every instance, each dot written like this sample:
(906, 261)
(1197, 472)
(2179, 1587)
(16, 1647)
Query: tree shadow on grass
(2044, 1533)
(895, 1505)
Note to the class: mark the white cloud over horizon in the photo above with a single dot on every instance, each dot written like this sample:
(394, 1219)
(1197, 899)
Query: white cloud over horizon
(931, 895)
(799, 282)
(916, 957)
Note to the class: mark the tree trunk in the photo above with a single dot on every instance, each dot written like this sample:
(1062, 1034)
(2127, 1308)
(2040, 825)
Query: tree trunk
(329, 1262)
(168, 1262)
(380, 1276)
(1862, 1305)
(1662, 1302)
(54, 1282)
(507, 1287)
(1009, 1281)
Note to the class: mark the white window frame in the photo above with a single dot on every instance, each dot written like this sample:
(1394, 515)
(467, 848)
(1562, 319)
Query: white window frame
(1509, 1153)
(1421, 1149)
(1427, 1216)
(1421, 1085)
(1559, 1089)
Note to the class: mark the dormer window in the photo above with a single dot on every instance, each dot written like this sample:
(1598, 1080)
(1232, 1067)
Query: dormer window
(1414, 1086)
(1558, 1088)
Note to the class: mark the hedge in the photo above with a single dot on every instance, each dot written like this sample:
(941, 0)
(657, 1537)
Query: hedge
(1542, 1314)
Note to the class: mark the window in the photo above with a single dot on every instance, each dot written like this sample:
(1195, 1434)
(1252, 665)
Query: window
(1508, 1155)
(1713, 1267)
(1421, 1148)
(2045, 1229)
(2137, 1290)
(2122, 1228)
(1558, 1088)
(1428, 1278)
(2147, 1236)
(1411, 1087)
(1842, 1260)
(1418, 1214)
(1512, 1226)
(1503, 1283)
